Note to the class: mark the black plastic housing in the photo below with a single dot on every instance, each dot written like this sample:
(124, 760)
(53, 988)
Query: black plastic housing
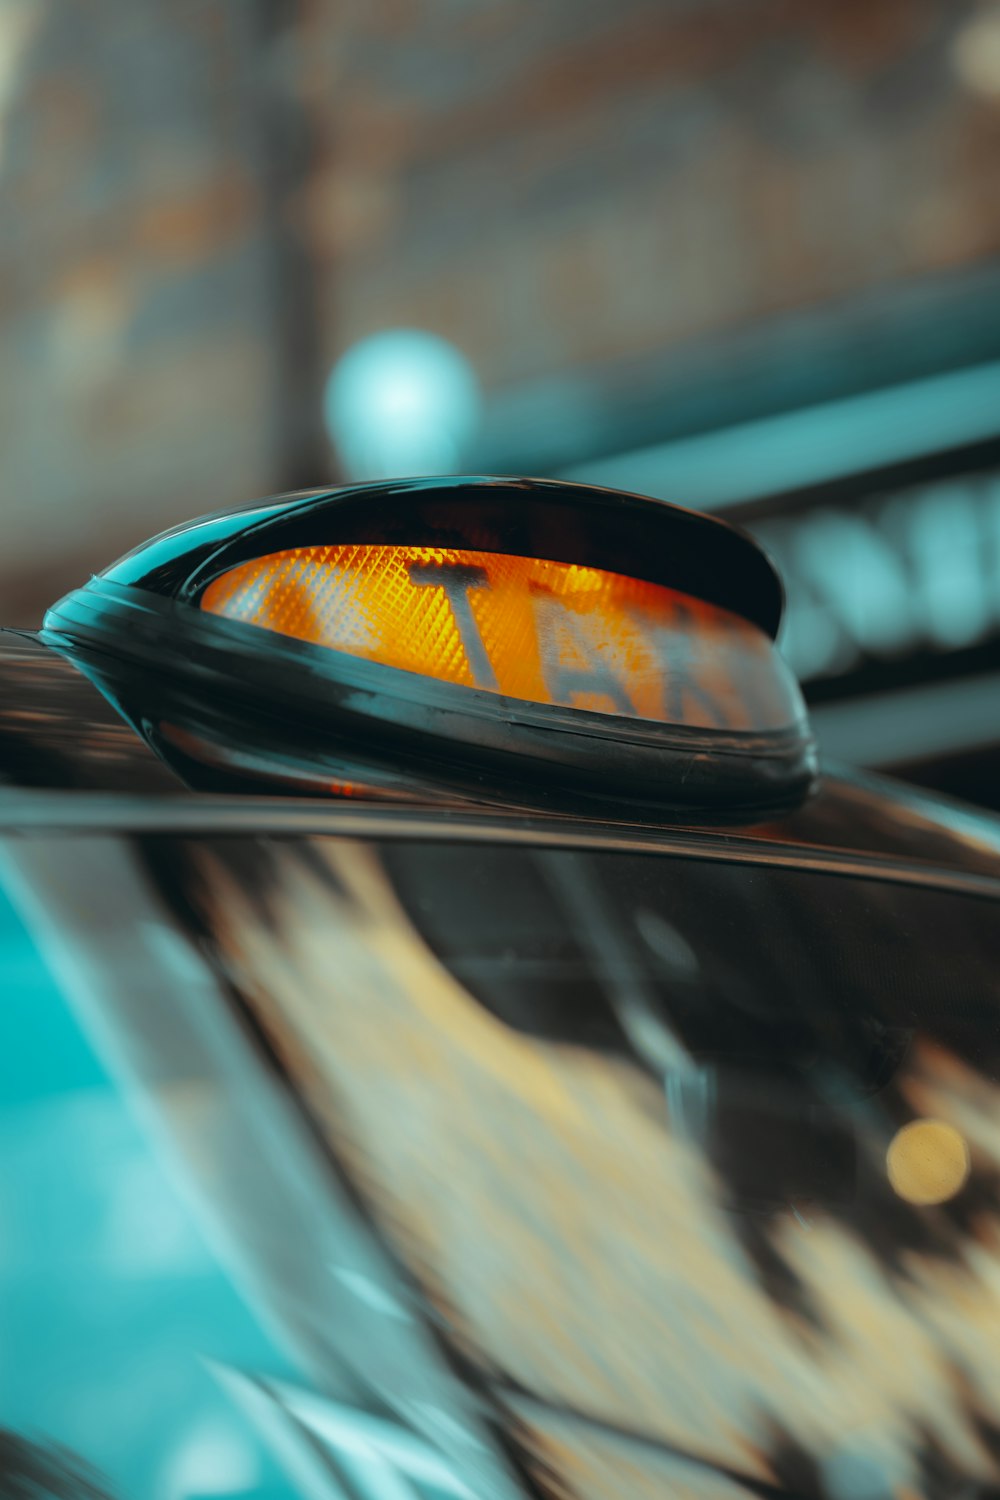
(139, 632)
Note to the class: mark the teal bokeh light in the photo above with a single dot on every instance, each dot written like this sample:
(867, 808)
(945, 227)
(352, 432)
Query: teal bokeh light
(402, 402)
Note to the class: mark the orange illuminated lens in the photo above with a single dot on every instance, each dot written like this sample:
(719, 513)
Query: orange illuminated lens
(545, 632)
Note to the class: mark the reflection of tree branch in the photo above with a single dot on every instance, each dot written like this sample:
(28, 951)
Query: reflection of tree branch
(541, 1410)
(616, 961)
(31, 1471)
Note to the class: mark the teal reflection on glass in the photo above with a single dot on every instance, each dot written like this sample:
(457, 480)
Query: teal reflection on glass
(109, 1298)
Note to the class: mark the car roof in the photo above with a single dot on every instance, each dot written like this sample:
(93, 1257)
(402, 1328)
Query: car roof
(69, 759)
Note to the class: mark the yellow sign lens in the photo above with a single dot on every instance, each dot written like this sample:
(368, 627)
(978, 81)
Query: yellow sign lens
(525, 628)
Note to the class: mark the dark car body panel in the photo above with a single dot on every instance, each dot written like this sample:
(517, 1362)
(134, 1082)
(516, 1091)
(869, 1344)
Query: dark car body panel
(558, 1143)
(60, 733)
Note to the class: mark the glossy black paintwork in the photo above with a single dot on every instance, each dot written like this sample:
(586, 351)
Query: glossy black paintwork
(58, 731)
(333, 1010)
(645, 1199)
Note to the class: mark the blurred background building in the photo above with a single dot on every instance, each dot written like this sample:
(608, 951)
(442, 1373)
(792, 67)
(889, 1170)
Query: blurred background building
(737, 253)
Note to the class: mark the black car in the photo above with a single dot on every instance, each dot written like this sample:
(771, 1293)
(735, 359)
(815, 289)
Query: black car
(601, 1095)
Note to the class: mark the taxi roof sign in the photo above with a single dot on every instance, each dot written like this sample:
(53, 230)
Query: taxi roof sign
(519, 640)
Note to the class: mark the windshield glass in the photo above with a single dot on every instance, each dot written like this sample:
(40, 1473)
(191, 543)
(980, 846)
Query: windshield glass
(694, 1156)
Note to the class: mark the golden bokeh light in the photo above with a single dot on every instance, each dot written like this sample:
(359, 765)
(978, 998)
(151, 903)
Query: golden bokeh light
(928, 1162)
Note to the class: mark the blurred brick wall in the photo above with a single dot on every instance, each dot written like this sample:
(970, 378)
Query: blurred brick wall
(549, 183)
(134, 340)
(558, 181)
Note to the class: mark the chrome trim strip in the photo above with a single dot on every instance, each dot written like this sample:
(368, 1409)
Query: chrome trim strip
(72, 813)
